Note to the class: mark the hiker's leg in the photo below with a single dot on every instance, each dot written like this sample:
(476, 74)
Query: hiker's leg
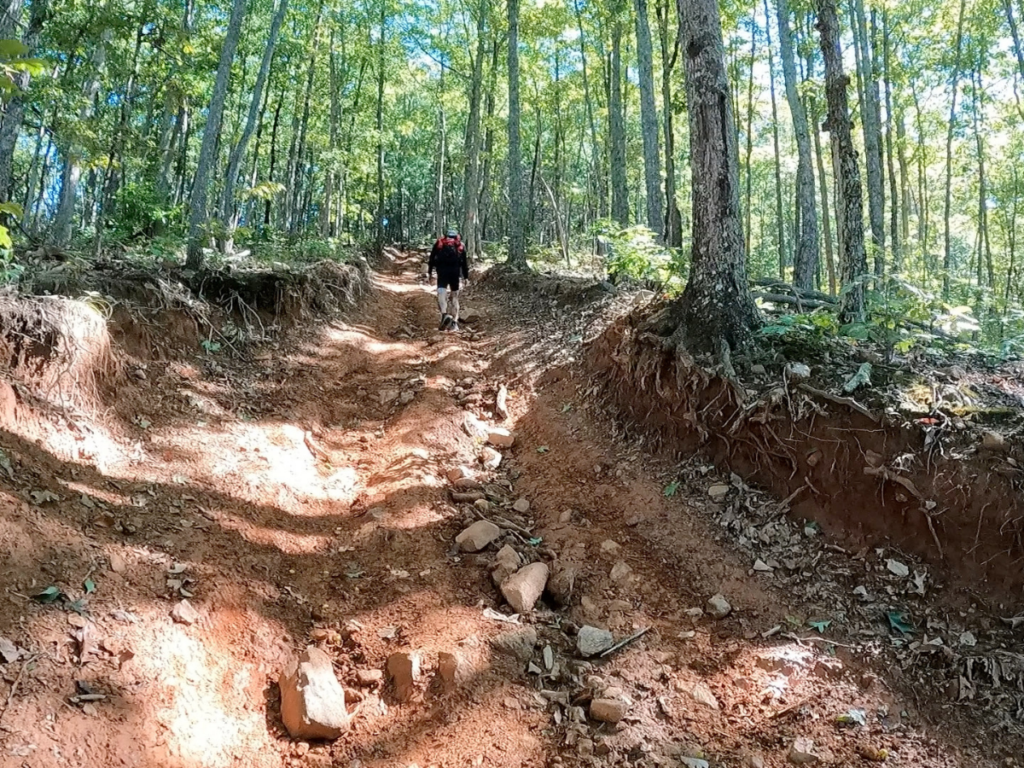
(442, 299)
(454, 305)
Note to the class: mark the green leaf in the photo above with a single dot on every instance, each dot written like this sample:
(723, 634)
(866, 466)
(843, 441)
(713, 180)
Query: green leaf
(821, 626)
(48, 595)
(90, 586)
(566, 407)
(79, 606)
(5, 238)
(543, 449)
(900, 622)
(11, 49)
(12, 208)
(536, 541)
(671, 489)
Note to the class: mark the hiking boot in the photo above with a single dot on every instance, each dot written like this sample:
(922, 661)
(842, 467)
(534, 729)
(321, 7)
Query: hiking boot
(455, 326)
(446, 322)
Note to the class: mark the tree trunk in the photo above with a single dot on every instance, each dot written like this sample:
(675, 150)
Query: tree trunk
(439, 170)
(806, 254)
(872, 138)
(516, 240)
(716, 310)
(849, 202)
(471, 183)
(669, 57)
(890, 152)
(14, 113)
(749, 165)
(596, 164)
(780, 219)
(298, 207)
(211, 135)
(649, 120)
(381, 44)
(62, 224)
(238, 151)
(617, 129)
(947, 261)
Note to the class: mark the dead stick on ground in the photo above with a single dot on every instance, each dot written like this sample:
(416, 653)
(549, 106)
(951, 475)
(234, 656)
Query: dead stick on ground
(14, 686)
(623, 643)
(849, 402)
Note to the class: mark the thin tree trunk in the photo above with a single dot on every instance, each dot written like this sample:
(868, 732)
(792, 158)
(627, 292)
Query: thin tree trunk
(471, 183)
(211, 136)
(442, 139)
(826, 216)
(649, 121)
(749, 165)
(849, 203)
(947, 261)
(595, 154)
(717, 313)
(669, 57)
(227, 206)
(381, 45)
(780, 224)
(894, 189)
(617, 126)
(805, 254)
(870, 123)
(516, 240)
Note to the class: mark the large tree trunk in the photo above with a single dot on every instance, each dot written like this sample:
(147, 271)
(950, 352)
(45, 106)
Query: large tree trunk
(211, 135)
(805, 258)
(517, 239)
(669, 57)
(617, 126)
(849, 200)
(716, 310)
(748, 219)
(238, 151)
(14, 114)
(649, 120)
(870, 122)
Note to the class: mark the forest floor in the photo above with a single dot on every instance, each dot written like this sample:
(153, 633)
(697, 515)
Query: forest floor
(302, 497)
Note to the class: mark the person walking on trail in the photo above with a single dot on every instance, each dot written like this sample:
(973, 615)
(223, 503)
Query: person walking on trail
(448, 258)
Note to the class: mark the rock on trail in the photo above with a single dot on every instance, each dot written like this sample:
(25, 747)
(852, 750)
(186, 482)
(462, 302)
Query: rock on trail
(524, 588)
(312, 699)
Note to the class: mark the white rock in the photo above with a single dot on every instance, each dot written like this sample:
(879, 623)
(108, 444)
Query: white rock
(522, 506)
(501, 402)
(506, 563)
(455, 474)
(524, 588)
(184, 613)
(719, 493)
(719, 607)
(798, 372)
(621, 573)
(490, 458)
(610, 547)
(897, 568)
(386, 396)
(517, 643)
(802, 752)
(694, 762)
(703, 695)
(762, 567)
(452, 669)
(478, 536)
(312, 699)
(407, 397)
(590, 641)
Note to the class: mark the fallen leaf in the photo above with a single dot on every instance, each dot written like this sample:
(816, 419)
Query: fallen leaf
(117, 563)
(671, 489)
(9, 652)
(89, 585)
(41, 497)
(77, 620)
(898, 568)
(900, 622)
(48, 595)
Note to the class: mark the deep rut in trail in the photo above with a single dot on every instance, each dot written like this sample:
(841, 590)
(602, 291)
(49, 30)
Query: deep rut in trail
(303, 498)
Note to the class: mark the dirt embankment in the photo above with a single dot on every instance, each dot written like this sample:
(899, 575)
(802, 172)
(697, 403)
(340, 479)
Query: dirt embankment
(869, 478)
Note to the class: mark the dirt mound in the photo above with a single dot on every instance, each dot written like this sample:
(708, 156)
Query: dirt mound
(59, 346)
(867, 476)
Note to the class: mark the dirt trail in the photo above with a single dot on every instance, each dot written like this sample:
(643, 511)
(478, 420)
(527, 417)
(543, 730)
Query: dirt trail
(302, 498)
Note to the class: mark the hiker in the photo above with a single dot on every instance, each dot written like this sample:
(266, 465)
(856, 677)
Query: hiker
(448, 257)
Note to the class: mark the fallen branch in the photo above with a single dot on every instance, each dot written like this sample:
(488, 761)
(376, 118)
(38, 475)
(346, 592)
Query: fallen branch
(849, 402)
(623, 643)
(15, 684)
